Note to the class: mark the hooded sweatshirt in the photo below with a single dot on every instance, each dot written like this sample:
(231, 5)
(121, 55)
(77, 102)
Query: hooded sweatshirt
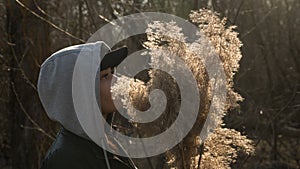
(69, 99)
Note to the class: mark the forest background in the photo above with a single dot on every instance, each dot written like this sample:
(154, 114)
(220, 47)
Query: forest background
(268, 78)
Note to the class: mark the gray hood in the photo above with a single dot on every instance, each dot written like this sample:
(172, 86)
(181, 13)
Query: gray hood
(55, 83)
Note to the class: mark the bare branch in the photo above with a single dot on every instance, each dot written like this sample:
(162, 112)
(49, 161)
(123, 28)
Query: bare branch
(238, 11)
(105, 19)
(50, 23)
(258, 23)
(290, 132)
(20, 68)
(37, 126)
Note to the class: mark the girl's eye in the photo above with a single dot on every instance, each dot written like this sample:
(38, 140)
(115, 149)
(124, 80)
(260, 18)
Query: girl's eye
(105, 76)
(108, 74)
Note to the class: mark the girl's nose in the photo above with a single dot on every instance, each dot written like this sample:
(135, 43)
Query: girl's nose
(114, 79)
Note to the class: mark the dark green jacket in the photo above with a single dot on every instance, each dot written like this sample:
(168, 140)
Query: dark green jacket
(70, 151)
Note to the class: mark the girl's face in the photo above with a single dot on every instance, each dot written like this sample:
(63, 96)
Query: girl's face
(107, 105)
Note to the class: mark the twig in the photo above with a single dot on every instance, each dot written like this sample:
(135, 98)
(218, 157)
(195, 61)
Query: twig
(238, 11)
(138, 133)
(55, 18)
(21, 70)
(50, 23)
(106, 20)
(90, 13)
(257, 24)
(40, 9)
(25, 50)
(27, 115)
(181, 148)
(287, 104)
(38, 129)
(200, 154)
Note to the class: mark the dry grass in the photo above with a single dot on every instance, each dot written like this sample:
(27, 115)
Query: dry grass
(222, 147)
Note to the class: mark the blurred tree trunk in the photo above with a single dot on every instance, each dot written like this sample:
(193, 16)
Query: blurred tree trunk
(29, 45)
(4, 92)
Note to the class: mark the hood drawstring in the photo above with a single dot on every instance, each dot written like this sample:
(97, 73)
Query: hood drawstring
(105, 155)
